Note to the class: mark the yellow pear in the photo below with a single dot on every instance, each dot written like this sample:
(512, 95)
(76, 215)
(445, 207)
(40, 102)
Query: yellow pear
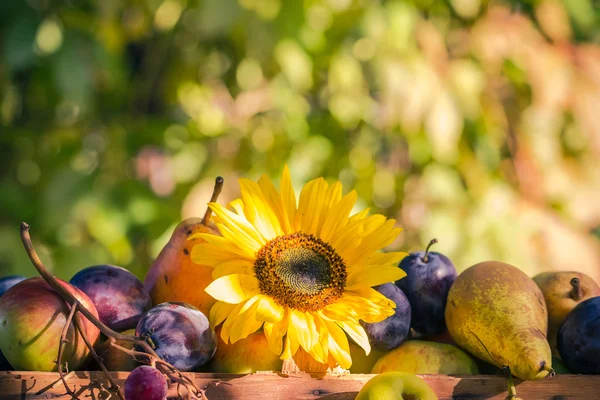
(498, 314)
(421, 357)
(173, 276)
(245, 356)
(562, 292)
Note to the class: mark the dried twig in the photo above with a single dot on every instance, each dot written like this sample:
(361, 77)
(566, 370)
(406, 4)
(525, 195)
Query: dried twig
(77, 309)
(61, 349)
(113, 385)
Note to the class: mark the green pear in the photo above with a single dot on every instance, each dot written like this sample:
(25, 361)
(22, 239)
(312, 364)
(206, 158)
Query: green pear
(498, 314)
(420, 357)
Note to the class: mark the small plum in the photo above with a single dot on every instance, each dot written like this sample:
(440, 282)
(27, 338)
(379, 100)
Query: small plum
(146, 383)
(119, 296)
(9, 281)
(392, 331)
(429, 276)
(579, 338)
(180, 334)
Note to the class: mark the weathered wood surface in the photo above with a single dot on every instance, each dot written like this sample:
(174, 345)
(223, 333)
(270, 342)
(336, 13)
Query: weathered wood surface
(267, 386)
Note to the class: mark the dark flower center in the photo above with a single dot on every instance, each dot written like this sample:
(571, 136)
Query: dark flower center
(300, 271)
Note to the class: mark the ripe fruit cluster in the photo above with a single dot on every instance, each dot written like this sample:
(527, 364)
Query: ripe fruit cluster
(492, 311)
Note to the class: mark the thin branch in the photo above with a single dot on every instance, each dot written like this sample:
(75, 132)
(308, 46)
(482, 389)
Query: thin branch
(77, 310)
(113, 385)
(71, 299)
(61, 349)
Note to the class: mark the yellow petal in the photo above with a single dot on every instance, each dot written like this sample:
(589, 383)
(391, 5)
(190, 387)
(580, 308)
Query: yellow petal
(226, 327)
(299, 329)
(237, 266)
(233, 288)
(287, 195)
(338, 311)
(212, 255)
(375, 241)
(339, 348)
(357, 333)
(219, 311)
(316, 349)
(257, 210)
(337, 218)
(237, 205)
(245, 323)
(268, 310)
(373, 276)
(310, 206)
(367, 310)
(239, 229)
(275, 202)
(274, 332)
(391, 258)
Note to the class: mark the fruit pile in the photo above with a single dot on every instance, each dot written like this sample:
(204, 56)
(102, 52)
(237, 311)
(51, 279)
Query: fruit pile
(492, 318)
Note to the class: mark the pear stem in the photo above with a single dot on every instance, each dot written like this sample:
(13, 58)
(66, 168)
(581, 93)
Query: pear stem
(576, 292)
(215, 195)
(426, 256)
(551, 372)
(512, 390)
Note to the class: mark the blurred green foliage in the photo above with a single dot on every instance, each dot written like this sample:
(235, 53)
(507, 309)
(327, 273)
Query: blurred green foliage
(473, 121)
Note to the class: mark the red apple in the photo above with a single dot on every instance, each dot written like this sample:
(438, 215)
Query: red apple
(32, 317)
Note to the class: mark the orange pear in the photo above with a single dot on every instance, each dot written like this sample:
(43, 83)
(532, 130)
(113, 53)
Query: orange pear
(173, 276)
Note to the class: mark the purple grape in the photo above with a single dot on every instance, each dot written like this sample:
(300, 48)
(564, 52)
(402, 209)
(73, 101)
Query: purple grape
(428, 279)
(180, 333)
(9, 281)
(146, 383)
(392, 331)
(119, 296)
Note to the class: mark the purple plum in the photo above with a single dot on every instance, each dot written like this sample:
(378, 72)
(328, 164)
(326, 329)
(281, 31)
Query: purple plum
(146, 383)
(579, 338)
(119, 296)
(9, 281)
(180, 334)
(429, 276)
(392, 331)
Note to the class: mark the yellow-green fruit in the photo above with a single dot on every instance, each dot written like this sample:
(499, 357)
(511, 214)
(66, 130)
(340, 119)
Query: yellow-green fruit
(361, 362)
(245, 356)
(420, 357)
(562, 292)
(396, 386)
(497, 313)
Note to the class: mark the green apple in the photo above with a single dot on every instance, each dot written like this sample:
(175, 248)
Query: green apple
(396, 386)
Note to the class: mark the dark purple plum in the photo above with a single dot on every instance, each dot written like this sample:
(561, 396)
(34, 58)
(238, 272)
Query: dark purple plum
(579, 338)
(9, 281)
(180, 334)
(146, 383)
(429, 276)
(119, 296)
(392, 331)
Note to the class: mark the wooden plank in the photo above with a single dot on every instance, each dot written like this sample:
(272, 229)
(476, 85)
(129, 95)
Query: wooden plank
(277, 386)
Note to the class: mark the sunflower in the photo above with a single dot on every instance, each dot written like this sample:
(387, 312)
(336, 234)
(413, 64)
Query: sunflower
(303, 271)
